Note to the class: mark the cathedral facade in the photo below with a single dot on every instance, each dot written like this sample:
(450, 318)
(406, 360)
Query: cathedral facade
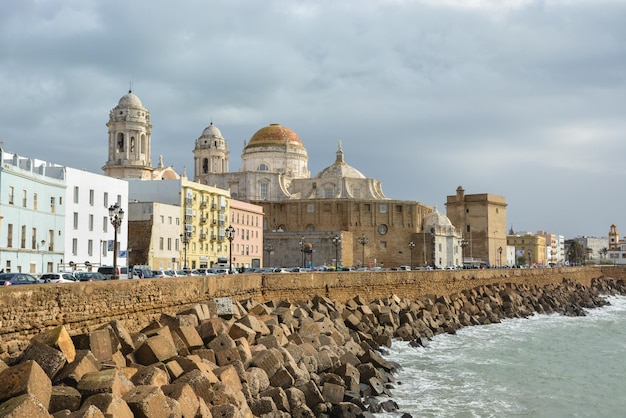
(343, 216)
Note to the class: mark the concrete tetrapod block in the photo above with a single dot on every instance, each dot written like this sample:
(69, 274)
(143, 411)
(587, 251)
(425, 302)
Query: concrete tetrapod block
(64, 397)
(26, 378)
(110, 405)
(222, 342)
(190, 336)
(279, 397)
(184, 394)
(155, 349)
(148, 402)
(227, 356)
(228, 375)
(49, 358)
(105, 381)
(155, 375)
(25, 405)
(239, 330)
(268, 360)
(202, 383)
(84, 362)
(211, 328)
(60, 339)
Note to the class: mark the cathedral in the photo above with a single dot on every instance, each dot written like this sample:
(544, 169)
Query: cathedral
(338, 217)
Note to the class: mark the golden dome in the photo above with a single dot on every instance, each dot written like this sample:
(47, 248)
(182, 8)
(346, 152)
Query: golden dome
(273, 135)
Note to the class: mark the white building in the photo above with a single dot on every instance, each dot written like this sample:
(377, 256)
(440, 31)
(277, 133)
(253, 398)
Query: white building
(55, 218)
(89, 234)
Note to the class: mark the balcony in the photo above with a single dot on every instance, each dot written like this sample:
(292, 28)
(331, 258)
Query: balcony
(203, 219)
(203, 204)
(202, 236)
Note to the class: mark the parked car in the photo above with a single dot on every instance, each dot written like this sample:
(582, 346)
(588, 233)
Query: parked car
(160, 274)
(58, 278)
(108, 271)
(90, 276)
(143, 272)
(9, 279)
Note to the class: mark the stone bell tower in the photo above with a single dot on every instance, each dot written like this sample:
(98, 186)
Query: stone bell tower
(129, 140)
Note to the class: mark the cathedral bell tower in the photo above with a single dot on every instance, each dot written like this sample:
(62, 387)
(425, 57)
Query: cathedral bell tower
(129, 140)
(210, 155)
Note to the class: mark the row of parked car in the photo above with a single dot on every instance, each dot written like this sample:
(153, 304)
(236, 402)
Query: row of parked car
(17, 278)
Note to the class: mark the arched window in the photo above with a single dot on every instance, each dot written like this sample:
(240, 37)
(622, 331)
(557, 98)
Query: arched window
(329, 192)
(120, 142)
(263, 167)
(205, 166)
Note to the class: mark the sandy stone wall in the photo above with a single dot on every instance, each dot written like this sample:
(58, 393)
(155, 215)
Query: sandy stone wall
(27, 310)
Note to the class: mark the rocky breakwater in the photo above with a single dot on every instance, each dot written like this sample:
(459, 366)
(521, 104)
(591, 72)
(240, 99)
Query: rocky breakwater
(317, 358)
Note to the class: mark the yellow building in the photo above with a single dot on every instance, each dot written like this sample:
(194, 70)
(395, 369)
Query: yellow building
(529, 249)
(201, 234)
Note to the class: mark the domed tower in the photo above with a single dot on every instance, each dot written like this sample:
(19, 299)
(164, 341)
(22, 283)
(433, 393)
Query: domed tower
(129, 140)
(276, 149)
(210, 154)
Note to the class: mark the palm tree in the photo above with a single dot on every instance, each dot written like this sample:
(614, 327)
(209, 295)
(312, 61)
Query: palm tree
(604, 251)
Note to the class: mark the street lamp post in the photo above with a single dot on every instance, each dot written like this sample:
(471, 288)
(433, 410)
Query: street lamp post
(363, 241)
(302, 251)
(185, 240)
(337, 242)
(230, 235)
(500, 256)
(116, 214)
(42, 249)
(269, 248)
(411, 247)
(464, 243)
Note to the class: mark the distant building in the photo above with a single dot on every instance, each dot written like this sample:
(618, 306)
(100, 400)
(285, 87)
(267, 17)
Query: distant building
(481, 219)
(55, 218)
(616, 251)
(594, 247)
(529, 249)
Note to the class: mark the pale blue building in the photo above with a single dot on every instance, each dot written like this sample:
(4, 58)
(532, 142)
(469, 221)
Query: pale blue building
(32, 214)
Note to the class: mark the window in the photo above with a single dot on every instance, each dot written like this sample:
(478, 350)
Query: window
(382, 229)
(51, 204)
(105, 224)
(367, 207)
(162, 219)
(23, 237)
(75, 220)
(90, 248)
(160, 243)
(24, 199)
(169, 244)
(91, 222)
(106, 200)
(467, 228)
(399, 208)
(11, 195)
(264, 192)
(383, 244)
(91, 197)
(35, 201)
(383, 208)
(263, 167)
(33, 239)
(329, 192)
(169, 219)
(356, 193)
(75, 194)
(75, 246)
(10, 235)
(310, 208)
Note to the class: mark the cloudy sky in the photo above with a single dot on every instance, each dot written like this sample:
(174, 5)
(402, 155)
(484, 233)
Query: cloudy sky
(520, 98)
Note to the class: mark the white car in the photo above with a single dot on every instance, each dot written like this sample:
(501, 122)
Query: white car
(58, 278)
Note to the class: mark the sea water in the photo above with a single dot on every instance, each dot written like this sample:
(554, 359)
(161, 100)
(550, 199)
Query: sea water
(541, 366)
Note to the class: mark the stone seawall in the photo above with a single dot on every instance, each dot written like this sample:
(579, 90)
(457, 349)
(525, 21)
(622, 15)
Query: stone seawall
(27, 310)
